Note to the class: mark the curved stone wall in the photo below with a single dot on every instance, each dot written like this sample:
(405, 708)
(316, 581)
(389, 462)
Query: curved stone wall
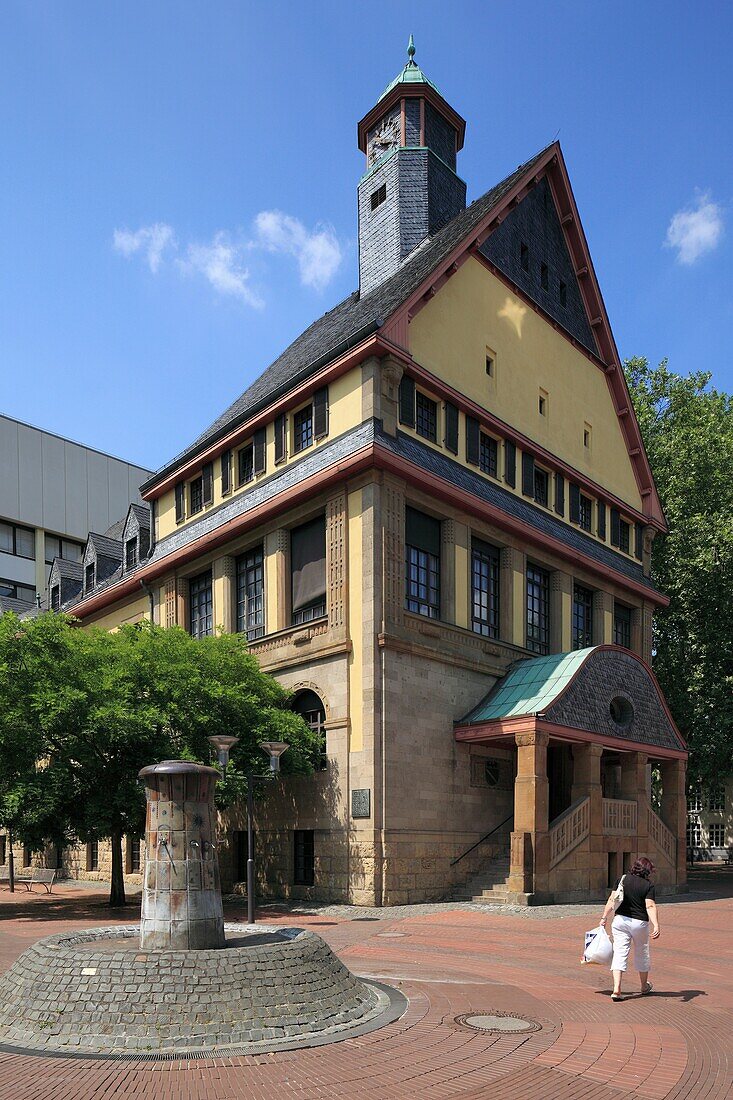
(90, 992)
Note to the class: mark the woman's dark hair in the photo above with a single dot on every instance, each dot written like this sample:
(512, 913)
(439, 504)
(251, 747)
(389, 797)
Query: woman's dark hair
(643, 867)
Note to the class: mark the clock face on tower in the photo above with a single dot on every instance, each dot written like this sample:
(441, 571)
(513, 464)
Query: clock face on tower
(385, 138)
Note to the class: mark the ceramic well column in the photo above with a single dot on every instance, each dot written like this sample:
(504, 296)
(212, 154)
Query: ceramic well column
(181, 906)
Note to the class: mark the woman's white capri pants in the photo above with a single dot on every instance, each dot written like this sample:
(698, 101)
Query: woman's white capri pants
(628, 930)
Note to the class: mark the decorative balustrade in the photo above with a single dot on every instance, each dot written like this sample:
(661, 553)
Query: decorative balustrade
(568, 830)
(619, 816)
(663, 837)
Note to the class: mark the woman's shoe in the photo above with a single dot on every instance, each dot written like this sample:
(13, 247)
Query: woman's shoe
(617, 997)
(649, 988)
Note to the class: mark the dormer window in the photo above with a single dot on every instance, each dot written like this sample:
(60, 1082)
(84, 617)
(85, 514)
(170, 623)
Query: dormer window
(544, 276)
(90, 577)
(524, 256)
(131, 553)
(55, 597)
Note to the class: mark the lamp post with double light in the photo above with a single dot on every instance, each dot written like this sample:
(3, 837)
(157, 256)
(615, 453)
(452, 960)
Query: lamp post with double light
(274, 750)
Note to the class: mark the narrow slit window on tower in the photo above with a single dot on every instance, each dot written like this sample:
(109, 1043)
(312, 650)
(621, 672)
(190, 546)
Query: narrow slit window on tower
(542, 403)
(524, 256)
(563, 294)
(489, 365)
(377, 197)
(544, 276)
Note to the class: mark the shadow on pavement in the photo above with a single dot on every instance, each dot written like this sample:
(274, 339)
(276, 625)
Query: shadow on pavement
(679, 995)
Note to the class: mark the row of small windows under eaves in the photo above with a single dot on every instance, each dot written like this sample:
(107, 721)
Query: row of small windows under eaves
(497, 458)
(307, 586)
(423, 571)
(239, 466)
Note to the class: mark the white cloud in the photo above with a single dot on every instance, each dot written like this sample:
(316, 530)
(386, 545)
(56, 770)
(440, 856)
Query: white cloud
(221, 260)
(220, 263)
(152, 240)
(695, 231)
(318, 251)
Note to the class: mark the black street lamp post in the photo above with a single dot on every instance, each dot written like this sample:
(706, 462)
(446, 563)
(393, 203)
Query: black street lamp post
(274, 749)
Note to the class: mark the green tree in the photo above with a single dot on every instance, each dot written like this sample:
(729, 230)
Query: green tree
(30, 808)
(119, 701)
(687, 427)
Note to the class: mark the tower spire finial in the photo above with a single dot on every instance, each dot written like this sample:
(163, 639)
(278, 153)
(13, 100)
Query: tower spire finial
(411, 51)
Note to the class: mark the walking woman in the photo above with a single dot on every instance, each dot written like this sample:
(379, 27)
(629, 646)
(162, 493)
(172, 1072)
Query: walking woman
(635, 918)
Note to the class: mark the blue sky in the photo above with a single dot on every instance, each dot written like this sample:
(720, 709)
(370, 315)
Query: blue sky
(179, 182)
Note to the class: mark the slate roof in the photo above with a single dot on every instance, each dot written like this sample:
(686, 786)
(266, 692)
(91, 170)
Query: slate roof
(115, 531)
(142, 514)
(67, 568)
(529, 687)
(576, 690)
(9, 603)
(348, 323)
(106, 546)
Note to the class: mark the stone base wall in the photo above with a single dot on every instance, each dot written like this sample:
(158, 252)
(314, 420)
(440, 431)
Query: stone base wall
(418, 866)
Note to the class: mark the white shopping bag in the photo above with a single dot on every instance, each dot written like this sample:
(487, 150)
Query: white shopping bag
(598, 947)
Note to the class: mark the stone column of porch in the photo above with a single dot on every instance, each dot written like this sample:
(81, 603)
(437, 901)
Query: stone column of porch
(674, 811)
(587, 784)
(633, 786)
(530, 843)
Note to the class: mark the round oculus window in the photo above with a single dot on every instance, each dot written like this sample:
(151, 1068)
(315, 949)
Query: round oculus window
(621, 710)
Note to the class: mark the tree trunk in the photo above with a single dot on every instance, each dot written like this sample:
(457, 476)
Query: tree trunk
(11, 861)
(117, 889)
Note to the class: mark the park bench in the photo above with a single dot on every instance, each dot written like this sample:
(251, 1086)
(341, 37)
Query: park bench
(45, 875)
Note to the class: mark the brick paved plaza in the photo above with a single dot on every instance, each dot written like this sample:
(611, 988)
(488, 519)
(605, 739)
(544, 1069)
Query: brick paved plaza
(448, 962)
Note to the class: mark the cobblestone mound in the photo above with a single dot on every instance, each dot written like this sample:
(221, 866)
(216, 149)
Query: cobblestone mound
(272, 988)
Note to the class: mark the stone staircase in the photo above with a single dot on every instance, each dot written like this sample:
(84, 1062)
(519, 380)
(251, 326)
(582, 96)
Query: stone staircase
(489, 885)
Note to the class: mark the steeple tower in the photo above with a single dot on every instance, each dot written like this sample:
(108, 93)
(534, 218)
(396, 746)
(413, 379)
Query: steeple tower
(410, 188)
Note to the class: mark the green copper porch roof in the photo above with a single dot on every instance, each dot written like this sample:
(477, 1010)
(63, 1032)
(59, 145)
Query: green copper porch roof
(411, 74)
(530, 687)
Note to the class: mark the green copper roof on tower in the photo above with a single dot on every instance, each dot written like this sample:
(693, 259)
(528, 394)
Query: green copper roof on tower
(411, 74)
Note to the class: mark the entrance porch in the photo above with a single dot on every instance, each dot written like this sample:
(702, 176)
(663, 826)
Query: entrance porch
(589, 728)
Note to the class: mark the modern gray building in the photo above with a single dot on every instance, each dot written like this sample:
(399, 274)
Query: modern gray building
(53, 492)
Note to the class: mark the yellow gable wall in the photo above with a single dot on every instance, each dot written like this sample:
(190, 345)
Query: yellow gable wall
(344, 412)
(474, 311)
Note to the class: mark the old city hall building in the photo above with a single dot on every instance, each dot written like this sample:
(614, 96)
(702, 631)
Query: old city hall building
(432, 518)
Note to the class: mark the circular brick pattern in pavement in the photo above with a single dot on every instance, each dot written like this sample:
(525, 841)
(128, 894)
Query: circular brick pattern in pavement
(271, 988)
(499, 1023)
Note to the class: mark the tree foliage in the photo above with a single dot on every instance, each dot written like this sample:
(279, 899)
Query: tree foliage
(687, 427)
(82, 711)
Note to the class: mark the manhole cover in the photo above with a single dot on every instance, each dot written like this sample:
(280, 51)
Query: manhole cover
(497, 1022)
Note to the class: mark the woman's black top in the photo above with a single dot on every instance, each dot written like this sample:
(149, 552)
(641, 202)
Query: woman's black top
(636, 891)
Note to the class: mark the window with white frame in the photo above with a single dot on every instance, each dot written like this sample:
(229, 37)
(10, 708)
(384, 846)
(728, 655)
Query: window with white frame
(716, 834)
(716, 799)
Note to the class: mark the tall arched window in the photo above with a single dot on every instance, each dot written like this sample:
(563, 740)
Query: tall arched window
(308, 705)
